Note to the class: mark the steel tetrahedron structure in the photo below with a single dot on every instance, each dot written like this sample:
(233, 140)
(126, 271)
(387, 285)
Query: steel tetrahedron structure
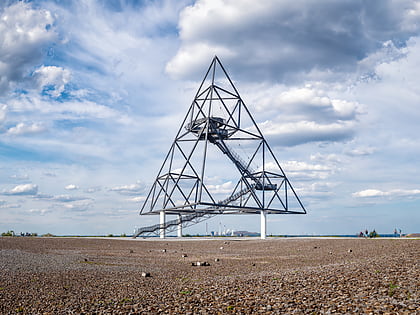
(218, 139)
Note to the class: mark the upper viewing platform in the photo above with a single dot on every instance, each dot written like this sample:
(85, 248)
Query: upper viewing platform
(217, 128)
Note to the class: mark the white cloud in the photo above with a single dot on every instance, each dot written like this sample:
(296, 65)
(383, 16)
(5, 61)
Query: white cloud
(26, 129)
(68, 198)
(20, 177)
(300, 115)
(361, 151)
(132, 189)
(290, 134)
(24, 189)
(3, 113)
(334, 158)
(39, 211)
(224, 188)
(196, 56)
(309, 101)
(137, 199)
(71, 187)
(393, 193)
(302, 171)
(56, 77)
(80, 206)
(10, 205)
(92, 190)
(25, 32)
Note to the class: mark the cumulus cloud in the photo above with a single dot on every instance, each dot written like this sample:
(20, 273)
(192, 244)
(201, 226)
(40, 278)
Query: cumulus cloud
(71, 187)
(307, 103)
(132, 189)
(318, 190)
(304, 37)
(137, 199)
(26, 129)
(78, 206)
(25, 32)
(52, 79)
(393, 193)
(24, 189)
(304, 171)
(224, 188)
(291, 134)
(299, 115)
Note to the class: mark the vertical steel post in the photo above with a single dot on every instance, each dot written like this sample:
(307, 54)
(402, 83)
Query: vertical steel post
(179, 227)
(263, 224)
(162, 224)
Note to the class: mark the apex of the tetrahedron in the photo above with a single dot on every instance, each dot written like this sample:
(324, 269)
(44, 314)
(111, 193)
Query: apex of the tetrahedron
(215, 58)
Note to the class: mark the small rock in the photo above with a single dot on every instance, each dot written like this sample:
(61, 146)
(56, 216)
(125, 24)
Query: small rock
(221, 247)
(184, 255)
(253, 264)
(163, 250)
(131, 251)
(350, 250)
(145, 274)
(216, 259)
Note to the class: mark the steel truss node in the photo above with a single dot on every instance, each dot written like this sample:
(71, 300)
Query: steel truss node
(218, 125)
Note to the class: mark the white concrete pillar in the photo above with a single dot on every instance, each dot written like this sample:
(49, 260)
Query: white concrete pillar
(263, 224)
(162, 224)
(179, 229)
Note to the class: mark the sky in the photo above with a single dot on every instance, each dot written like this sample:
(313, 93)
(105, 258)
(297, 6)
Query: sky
(92, 94)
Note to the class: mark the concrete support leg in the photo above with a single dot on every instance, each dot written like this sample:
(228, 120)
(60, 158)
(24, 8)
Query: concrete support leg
(179, 228)
(162, 224)
(263, 224)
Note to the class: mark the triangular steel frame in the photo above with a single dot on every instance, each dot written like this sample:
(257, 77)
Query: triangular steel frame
(216, 118)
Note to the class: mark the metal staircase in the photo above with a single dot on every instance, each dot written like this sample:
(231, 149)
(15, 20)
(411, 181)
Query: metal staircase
(217, 133)
(196, 217)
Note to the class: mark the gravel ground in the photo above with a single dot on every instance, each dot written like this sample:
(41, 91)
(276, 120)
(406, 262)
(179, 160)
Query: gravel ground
(248, 276)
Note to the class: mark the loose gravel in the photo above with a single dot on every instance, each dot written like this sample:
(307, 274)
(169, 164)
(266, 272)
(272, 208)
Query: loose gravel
(247, 276)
